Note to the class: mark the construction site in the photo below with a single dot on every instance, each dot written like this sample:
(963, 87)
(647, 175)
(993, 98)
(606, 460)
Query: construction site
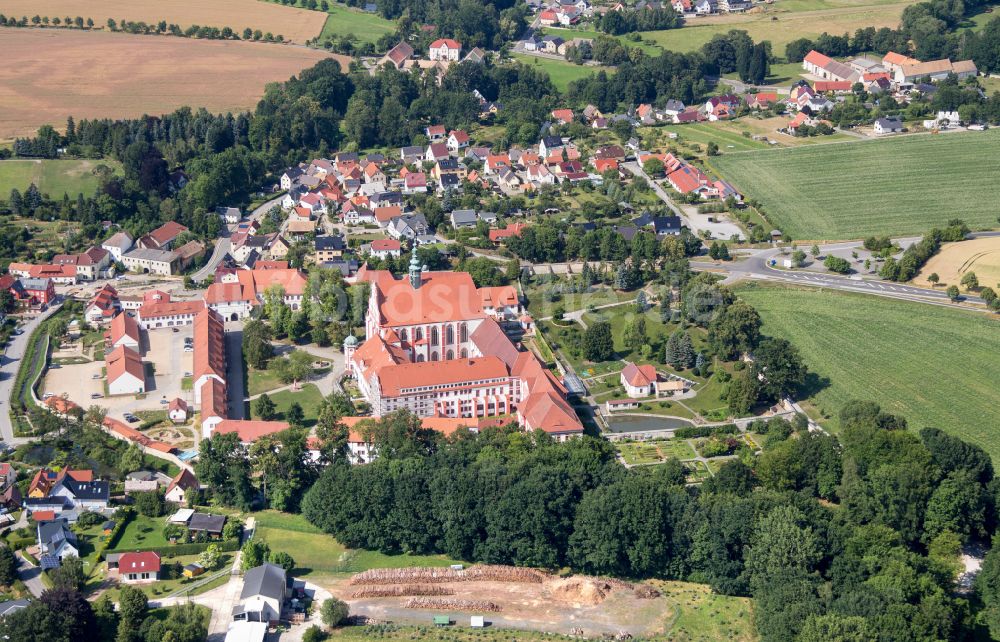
(506, 597)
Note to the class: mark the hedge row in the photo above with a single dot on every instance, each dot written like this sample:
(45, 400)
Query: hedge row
(694, 432)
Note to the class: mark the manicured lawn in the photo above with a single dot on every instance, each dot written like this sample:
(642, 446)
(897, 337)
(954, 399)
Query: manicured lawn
(934, 365)
(308, 397)
(259, 381)
(316, 553)
(561, 72)
(912, 183)
(52, 177)
(162, 588)
(343, 21)
(142, 532)
(539, 306)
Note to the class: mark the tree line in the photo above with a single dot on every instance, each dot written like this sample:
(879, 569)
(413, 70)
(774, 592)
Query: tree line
(831, 536)
(141, 27)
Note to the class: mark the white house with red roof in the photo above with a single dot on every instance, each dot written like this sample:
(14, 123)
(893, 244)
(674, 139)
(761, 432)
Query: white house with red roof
(457, 140)
(445, 49)
(639, 381)
(385, 248)
(135, 568)
(125, 372)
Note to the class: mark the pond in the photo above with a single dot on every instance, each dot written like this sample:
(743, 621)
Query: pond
(645, 423)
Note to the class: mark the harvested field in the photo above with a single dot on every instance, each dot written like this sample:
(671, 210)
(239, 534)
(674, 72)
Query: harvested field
(981, 256)
(297, 25)
(113, 75)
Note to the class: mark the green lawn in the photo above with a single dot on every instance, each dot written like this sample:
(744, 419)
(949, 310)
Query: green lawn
(569, 34)
(905, 185)
(259, 381)
(934, 365)
(561, 72)
(343, 21)
(142, 532)
(316, 553)
(308, 397)
(725, 135)
(52, 177)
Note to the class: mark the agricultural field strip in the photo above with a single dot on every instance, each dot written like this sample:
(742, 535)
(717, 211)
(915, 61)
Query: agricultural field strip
(858, 188)
(935, 366)
(295, 24)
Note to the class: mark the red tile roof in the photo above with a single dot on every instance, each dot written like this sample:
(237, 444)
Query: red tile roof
(445, 42)
(639, 376)
(145, 562)
(123, 325)
(124, 360)
(167, 232)
(816, 58)
(250, 430)
(457, 372)
(385, 245)
(170, 308)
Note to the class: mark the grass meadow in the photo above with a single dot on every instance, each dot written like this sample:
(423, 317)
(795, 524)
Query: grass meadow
(934, 365)
(561, 72)
(896, 186)
(343, 21)
(52, 177)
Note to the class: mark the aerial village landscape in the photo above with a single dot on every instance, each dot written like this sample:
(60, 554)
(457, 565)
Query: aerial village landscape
(499, 320)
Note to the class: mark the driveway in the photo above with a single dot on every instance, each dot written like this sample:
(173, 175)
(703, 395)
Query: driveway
(31, 575)
(9, 363)
(235, 385)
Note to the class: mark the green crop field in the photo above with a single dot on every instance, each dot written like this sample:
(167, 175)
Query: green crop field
(902, 185)
(561, 72)
(343, 21)
(52, 177)
(934, 365)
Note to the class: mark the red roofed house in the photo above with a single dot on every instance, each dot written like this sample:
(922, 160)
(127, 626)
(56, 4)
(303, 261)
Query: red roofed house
(102, 308)
(457, 140)
(415, 183)
(250, 430)
(687, 179)
(435, 133)
(162, 237)
(385, 248)
(134, 568)
(761, 100)
(838, 86)
(177, 410)
(562, 116)
(639, 381)
(125, 372)
(512, 229)
(445, 49)
(398, 55)
(548, 18)
(179, 485)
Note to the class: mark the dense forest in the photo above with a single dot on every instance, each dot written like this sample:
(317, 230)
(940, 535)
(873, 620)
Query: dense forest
(858, 535)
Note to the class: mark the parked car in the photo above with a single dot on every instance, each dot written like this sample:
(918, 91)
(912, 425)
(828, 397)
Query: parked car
(176, 330)
(96, 395)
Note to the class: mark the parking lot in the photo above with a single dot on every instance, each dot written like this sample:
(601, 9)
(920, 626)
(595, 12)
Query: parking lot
(163, 349)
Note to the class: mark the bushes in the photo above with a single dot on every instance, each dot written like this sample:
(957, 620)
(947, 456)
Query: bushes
(697, 432)
(192, 548)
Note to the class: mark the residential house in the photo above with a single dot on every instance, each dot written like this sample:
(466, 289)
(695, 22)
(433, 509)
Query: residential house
(56, 542)
(408, 226)
(705, 7)
(562, 116)
(935, 70)
(385, 248)
(888, 125)
(210, 525)
(435, 133)
(329, 248)
(463, 218)
(162, 237)
(136, 568)
(639, 381)
(457, 140)
(290, 176)
(445, 49)
(90, 265)
(177, 410)
(550, 145)
(38, 292)
(229, 215)
(179, 485)
(118, 244)
(436, 152)
(265, 589)
(415, 183)
(513, 229)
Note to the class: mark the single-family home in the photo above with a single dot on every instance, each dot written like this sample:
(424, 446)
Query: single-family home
(445, 49)
(888, 125)
(397, 56)
(126, 374)
(135, 568)
(639, 381)
(435, 133)
(229, 215)
(177, 410)
(385, 248)
(264, 591)
(457, 140)
(56, 542)
(179, 485)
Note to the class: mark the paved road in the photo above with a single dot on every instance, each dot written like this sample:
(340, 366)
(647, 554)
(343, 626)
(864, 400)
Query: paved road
(9, 364)
(31, 575)
(235, 385)
(223, 244)
(756, 266)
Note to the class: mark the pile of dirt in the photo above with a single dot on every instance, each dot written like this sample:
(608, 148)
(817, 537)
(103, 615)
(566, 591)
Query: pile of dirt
(579, 590)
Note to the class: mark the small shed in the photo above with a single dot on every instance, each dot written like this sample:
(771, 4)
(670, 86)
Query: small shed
(107, 527)
(112, 560)
(442, 620)
(477, 622)
(193, 570)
